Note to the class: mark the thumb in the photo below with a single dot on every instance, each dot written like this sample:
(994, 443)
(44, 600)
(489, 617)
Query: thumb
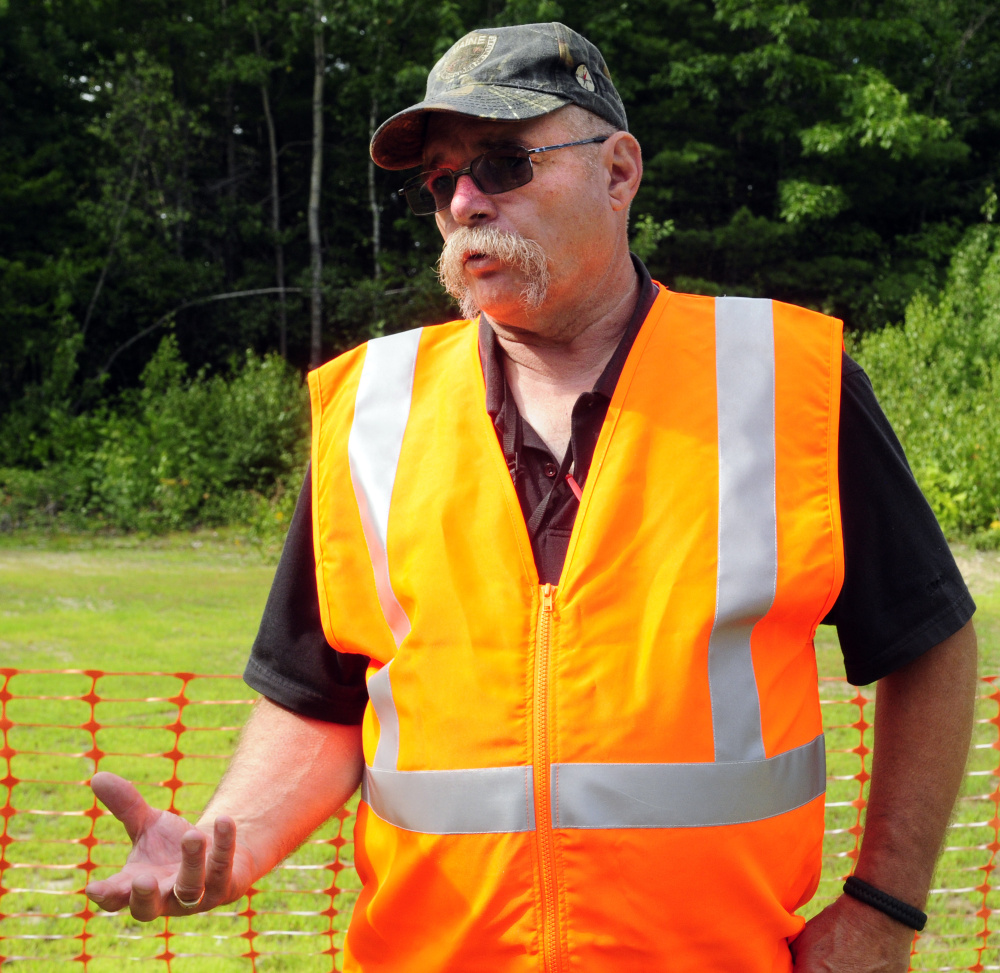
(122, 799)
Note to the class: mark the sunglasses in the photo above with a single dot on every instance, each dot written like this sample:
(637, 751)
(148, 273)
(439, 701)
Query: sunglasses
(493, 172)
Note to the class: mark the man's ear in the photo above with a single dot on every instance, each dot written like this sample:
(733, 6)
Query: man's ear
(625, 169)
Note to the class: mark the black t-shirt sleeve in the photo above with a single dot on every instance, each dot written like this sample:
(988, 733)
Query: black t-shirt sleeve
(291, 662)
(903, 592)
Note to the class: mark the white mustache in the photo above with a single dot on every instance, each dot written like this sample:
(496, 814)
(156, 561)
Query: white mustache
(524, 255)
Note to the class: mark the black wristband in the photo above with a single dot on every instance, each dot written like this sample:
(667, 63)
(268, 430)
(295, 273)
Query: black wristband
(890, 905)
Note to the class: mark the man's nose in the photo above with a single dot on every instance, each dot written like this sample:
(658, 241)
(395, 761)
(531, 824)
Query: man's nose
(470, 204)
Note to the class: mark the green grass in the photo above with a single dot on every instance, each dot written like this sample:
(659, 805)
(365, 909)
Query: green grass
(191, 604)
(188, 602)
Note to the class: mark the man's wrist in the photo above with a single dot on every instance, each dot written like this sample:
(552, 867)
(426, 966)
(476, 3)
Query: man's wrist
(902, 912)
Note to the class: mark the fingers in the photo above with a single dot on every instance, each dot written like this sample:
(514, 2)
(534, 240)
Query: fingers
(151, 895)
(219, 868)
(146, 895)
(189, 886)
(122, 800)
(107, 896)
(202, 882)
(142, 894)
(146, 902)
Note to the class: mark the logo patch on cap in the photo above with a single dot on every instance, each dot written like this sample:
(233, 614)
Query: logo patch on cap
(583, 76)
(466, 55)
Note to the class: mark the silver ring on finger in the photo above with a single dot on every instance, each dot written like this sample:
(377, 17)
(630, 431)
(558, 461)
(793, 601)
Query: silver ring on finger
(188, 903)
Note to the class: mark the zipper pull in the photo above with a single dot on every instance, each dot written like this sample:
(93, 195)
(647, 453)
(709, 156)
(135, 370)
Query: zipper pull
(547, 590)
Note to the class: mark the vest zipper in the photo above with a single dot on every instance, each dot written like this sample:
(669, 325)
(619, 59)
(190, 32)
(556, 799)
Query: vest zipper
(543, 803)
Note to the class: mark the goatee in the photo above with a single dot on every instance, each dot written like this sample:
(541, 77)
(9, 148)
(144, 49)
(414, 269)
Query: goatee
(525, 256)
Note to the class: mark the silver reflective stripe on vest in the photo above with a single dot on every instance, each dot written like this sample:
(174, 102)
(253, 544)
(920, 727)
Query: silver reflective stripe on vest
(748, 546)
(381, 410)
(380, 694)
(686, 795)
(486, 800)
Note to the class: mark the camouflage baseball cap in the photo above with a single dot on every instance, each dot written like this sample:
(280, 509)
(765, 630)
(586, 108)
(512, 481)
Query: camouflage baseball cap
(505, 73)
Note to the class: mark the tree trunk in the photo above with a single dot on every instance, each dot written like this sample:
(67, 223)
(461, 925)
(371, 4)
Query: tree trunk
(117, 231)
(229, 242)
(372, 199)
(230, 245)
(315, 179)
(279, 247)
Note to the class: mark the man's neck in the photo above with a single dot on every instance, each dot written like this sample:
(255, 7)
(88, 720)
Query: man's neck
(546, 375)
(572, 356)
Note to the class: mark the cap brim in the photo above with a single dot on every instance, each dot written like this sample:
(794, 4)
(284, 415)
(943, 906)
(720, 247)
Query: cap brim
(399, 142)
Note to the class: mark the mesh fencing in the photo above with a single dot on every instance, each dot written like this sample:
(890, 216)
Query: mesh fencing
(171, 733)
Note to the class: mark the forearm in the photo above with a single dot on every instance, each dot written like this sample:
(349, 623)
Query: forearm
(923, 726)
(288, 775)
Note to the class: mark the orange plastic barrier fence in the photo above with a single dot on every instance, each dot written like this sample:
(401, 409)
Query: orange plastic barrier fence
(171, 733)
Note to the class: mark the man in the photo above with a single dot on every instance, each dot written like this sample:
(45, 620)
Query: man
(581, 547)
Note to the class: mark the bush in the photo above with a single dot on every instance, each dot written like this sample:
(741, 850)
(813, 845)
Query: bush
(176, 453)
(938, 379)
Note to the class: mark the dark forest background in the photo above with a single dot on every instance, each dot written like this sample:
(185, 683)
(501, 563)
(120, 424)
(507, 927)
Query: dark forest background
(189, 218)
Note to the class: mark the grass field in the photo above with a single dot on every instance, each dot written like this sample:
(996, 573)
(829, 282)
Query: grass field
(191, 604)
(184, 601)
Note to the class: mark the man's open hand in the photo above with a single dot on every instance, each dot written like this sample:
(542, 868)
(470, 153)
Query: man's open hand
(170, 859)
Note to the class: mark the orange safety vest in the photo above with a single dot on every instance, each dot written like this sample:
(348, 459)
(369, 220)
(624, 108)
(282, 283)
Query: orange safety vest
(623, 773)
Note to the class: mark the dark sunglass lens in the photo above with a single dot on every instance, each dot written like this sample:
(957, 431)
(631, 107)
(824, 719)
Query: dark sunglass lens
(440, 185)
(501, 170)
(430, 191)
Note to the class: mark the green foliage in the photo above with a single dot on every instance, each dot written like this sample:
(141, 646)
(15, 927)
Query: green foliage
(841, 136)
(828, 155)
(818, 153)
(875, 113)
(647, 234)
(179, 451)
(938, 379)
(801, 201)
(988, 539)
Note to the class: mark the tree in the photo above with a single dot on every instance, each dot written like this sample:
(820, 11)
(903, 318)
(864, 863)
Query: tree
(165, 155)
(315, 187)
